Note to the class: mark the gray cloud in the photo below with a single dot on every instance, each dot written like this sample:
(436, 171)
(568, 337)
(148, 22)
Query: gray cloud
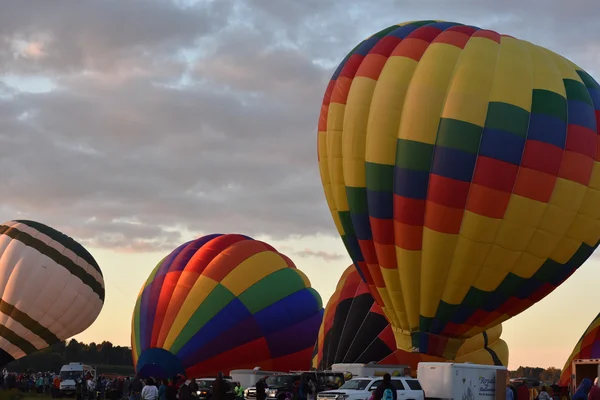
(167, 119)
(324, 255)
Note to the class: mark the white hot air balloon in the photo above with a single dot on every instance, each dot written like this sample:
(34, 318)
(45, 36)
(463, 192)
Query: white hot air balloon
(51, 288)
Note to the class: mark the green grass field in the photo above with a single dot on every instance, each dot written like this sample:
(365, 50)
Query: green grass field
(18, 395)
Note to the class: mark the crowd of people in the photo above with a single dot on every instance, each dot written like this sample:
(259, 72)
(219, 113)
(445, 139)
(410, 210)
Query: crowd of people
(587, 390)
(178, 388)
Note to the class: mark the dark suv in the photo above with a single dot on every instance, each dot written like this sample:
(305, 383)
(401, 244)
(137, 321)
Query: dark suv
(280, 384)
(205, 388)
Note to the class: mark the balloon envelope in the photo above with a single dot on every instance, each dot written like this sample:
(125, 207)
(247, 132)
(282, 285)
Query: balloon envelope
(224, 302)
(461, 170)
(354, 330)
(587, 347)
(51, 288)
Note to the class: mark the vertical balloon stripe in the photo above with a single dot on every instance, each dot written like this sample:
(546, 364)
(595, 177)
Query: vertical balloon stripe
(459, 140)
(172, 281)
(207, 249)
(203, 288)
(455, 156)
(500, 149)
(151, 295)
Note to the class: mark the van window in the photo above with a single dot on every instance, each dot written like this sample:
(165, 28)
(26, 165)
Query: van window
(413, 384)
(65, 375)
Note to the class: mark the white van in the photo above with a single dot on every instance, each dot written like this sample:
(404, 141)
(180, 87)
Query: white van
(70, 373)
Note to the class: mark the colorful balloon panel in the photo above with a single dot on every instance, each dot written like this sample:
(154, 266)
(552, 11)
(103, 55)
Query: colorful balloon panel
(51, 288)
(355, 330)
(224, 302)
(588, 346)
(461, 170)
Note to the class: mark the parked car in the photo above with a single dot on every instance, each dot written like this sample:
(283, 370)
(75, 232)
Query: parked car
(280, 384)
(205, 388)
(361, 388)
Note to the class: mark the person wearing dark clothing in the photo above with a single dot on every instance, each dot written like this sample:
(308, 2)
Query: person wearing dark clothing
(219, 388)
(522, 392)
(78, 389)
(172, 390)
(193, 388)
(184, 392)
(261, 389)
(135, 388)
(162, 390)
(382, 393)
(303, 389)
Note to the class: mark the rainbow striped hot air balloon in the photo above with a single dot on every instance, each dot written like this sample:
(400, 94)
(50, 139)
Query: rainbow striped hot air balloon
(224, 302)
(461, 170)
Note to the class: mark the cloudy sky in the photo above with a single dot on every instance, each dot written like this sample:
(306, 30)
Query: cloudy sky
(135, 125)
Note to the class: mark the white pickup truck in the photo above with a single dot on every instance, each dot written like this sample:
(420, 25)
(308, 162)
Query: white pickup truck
(362, 388)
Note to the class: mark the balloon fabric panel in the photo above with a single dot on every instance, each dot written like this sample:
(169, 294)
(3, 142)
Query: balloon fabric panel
(51, 288)
(223, 302)
(460, 168)
(354, 330)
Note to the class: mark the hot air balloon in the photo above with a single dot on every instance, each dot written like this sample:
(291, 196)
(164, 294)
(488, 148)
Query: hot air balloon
(354, 330)
(51, 288)
(224, 302)
(587, 347)
(460, 168)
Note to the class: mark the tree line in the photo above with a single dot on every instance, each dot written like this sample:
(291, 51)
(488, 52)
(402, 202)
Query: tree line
(117, 359)
(544, 375)
(103, 354)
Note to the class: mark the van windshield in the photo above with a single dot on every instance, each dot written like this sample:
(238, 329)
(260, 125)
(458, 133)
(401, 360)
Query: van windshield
(70, 375)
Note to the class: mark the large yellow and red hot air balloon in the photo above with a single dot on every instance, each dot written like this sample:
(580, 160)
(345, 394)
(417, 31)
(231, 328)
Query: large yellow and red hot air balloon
(224, 302)
(461, 170)
(354, 330)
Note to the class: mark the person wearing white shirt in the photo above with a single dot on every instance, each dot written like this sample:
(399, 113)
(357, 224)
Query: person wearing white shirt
(150, 391)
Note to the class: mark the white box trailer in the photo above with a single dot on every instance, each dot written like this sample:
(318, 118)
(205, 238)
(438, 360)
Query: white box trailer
(459, 381)
(248, 377)
(371, 369)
